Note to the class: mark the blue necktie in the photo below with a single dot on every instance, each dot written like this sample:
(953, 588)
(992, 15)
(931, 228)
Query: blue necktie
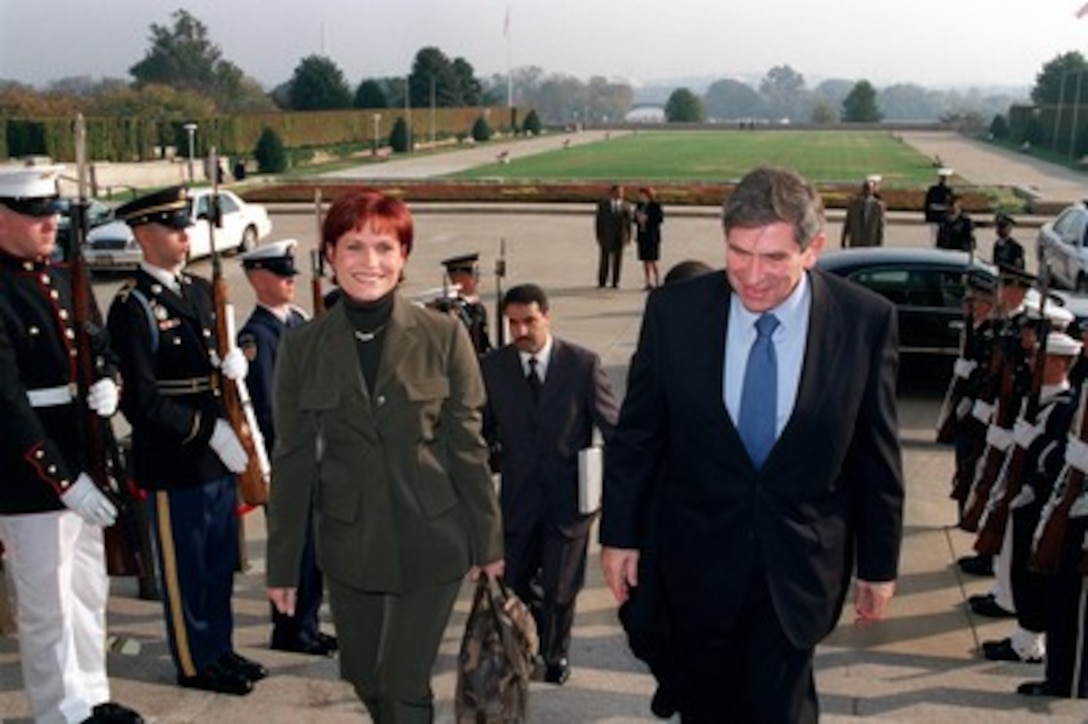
(759, 395)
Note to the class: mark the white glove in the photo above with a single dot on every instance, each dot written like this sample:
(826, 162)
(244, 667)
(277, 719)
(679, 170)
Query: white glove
(235, 365)
(998, 438)
(1076, 454)
(84, 498)
(982, 411)
(227, 446)
(1024, 433)
(963, 368)
(102, 397)
(964, 407)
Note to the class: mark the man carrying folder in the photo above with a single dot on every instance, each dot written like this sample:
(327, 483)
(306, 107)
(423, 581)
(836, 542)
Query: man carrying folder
(545, 396)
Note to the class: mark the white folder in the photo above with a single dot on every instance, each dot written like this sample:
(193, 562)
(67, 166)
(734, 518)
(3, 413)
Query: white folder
(590, 469)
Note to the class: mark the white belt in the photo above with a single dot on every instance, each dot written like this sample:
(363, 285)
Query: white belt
(51, 396)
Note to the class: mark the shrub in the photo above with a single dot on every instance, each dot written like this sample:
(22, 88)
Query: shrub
(399, 138)
(270, 154)
(532, 124)
(481, 129)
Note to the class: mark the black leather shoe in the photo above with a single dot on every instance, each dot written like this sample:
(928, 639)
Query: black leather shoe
(557, 673)
(219, 679)
(324, 645)
(991, 609)
(1003, 651)
(111, 713)
(977, 565)
(247, 668)
(663, 705)
(979, 599)
(1040, 688)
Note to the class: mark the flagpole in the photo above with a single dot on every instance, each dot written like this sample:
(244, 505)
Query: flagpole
(509, 76)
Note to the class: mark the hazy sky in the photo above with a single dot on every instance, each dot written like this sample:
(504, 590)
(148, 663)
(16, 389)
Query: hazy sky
(930, 42)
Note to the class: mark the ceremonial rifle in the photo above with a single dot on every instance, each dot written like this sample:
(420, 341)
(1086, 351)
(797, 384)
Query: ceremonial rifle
(253, 482)
(1050, 535)
(317, 262)
(500, 273)
(105, 465)
(994, 458)
(992, 534)
(973, 430)
(946, 420)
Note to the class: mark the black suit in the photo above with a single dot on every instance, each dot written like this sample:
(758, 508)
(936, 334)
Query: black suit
(612, 223)
(736, 543)
(543, 531)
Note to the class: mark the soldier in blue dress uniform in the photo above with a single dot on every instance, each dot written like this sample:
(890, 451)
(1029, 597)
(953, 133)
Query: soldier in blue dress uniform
(271, 272)
(51, 512)
(464, 271)
(184, 453)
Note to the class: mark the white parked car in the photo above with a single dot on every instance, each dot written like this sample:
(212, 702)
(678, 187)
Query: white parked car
(112, 246)
(1063, 248)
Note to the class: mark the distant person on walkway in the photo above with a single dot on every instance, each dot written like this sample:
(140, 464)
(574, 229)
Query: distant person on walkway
(378, 423)
(957, 231)
(937, 202)
(783, 481)
(1007, 250)
(864, 223)
(613, 226)
(545, 396)
(649, 217)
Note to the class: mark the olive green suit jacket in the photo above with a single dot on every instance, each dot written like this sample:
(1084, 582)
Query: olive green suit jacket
(402, 495)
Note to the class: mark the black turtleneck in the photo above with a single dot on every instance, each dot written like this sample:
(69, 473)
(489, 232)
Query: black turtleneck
(369, 320)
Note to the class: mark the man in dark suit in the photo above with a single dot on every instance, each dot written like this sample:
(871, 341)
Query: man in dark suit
(544, 396)
(767, 396)
(613, 225)
(271, 272)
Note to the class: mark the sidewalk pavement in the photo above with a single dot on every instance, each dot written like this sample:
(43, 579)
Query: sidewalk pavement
(920, 665)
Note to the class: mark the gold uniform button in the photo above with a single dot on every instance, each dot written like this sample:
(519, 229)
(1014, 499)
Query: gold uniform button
(45, 279)
(53, 294)
(51, 469)
(33, 331)
(63, 314)
(69, 334)
(39, 454)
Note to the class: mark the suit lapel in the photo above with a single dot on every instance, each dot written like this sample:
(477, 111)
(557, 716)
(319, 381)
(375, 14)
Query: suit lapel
(822, 350)
(557, 372)
(401, 337)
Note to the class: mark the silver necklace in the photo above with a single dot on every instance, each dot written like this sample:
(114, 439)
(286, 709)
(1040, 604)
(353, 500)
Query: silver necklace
(369, 336)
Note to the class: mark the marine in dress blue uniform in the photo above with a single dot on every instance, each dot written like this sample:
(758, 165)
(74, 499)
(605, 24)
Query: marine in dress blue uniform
(464, 271)
(51, 512)
(183, 451)
(271, 271)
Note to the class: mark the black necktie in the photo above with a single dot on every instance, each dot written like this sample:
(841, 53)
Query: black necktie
(533, 378)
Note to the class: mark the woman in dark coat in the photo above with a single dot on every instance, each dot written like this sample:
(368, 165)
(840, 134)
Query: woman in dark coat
(649, 217)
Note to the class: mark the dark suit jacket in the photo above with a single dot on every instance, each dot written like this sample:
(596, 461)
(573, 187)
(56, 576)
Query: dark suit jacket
(613, 229)
(401, 491)
(831, 490)
(540, 443)
(162, 337)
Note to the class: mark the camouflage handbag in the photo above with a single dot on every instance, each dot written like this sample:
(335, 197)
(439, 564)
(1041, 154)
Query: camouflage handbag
(496, 657)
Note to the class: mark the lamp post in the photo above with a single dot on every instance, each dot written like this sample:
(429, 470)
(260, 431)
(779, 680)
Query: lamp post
(377, 118)
(190, 128)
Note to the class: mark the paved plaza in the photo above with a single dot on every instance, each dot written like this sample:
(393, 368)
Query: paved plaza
(921, 665)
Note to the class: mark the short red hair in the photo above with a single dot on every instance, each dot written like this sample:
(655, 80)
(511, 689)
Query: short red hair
(364, 207)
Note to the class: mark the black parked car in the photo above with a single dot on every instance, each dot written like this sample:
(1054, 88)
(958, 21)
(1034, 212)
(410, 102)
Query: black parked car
(927, 288)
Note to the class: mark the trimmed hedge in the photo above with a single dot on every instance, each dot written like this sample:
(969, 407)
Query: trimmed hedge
(135, 139)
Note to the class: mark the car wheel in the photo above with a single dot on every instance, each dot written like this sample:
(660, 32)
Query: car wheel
(249, 240)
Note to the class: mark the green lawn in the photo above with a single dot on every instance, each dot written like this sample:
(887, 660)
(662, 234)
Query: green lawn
(658, 156)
